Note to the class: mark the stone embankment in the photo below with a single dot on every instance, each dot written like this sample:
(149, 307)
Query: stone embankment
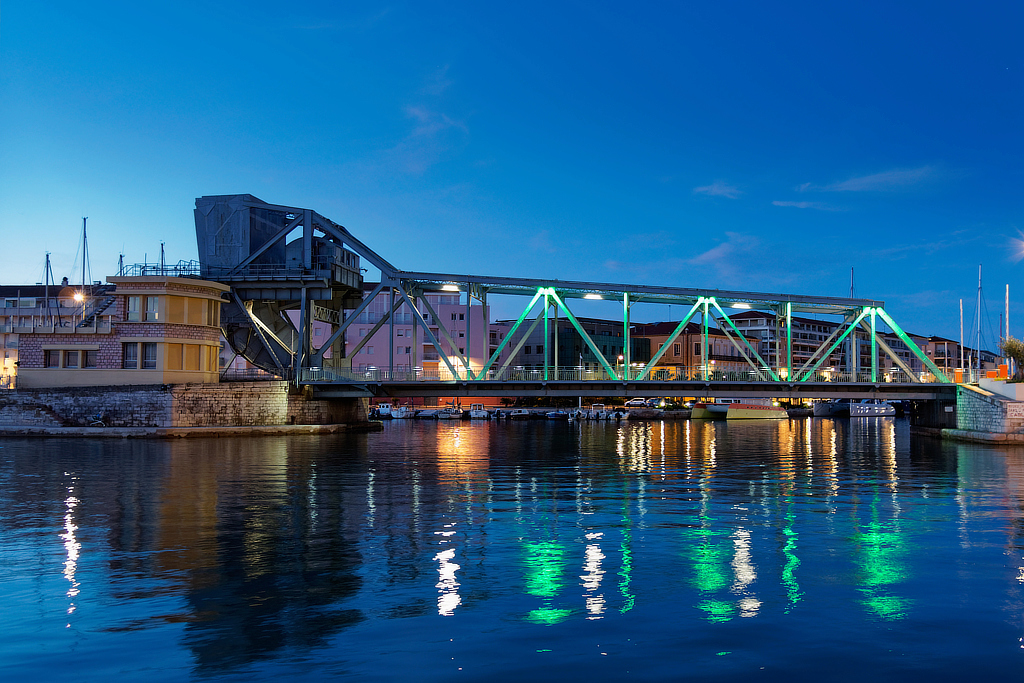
(177, 409)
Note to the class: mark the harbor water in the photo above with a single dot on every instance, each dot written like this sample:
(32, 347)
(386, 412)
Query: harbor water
(650, 551)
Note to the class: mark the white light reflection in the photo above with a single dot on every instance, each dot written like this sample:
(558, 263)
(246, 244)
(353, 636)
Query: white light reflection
(448, 588)
(592, 578)
(72, 548)
(744, 573)
(371, 505)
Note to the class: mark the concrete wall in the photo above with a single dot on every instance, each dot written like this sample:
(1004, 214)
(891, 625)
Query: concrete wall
(230, 404)
(978, 412)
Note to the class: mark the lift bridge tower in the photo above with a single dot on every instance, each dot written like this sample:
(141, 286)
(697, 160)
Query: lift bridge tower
(286, 267)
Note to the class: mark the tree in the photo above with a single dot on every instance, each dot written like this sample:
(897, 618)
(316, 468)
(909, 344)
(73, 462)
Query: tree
(1014, 348)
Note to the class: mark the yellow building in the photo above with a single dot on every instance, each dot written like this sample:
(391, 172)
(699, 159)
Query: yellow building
(143, 330)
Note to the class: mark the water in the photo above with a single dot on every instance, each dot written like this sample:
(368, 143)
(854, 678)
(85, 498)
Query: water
(510, 552)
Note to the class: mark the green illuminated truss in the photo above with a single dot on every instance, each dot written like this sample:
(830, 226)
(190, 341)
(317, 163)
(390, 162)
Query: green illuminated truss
(410, 289)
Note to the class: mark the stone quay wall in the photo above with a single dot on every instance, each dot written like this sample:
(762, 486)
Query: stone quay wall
(979, 413)
(229, 404)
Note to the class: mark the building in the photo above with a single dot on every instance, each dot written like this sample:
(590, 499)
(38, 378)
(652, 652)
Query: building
(135, 330)
(565, 349)
(367, 349)
(684, 359)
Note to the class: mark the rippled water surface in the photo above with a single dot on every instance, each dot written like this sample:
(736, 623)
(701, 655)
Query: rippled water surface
(527, 551)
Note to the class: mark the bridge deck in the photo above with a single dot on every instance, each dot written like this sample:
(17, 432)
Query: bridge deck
(634, 389)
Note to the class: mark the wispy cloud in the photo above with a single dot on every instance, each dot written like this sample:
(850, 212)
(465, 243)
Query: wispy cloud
(821, 206)
(433, 134)
(437, 82)
(886, 181)
(724, 253)
(719, 189)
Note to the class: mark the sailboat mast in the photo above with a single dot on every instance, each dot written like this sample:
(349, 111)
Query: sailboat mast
(961, 335)
(978, 350)
(85, 253)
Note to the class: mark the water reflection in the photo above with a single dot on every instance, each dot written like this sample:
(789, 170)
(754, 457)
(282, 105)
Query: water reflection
(269, 547)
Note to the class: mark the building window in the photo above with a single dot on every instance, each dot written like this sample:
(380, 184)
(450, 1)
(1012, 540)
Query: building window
(676, 351)
(462, 350)
(71, 359)
(130, 356)
(149, 354)
(453, 316)
(133, 308)
(696, 348)
(540, 349)
(151, 308)
(461, 335)
(462, 316)
(193, 357)
(408, 349)
(369, 350)
(362, 331)
(90, 358)
(528, 350)
(51, 358)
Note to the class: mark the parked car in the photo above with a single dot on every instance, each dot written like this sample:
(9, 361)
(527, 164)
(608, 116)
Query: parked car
(636, 403)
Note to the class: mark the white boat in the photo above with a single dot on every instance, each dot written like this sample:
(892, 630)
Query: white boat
(520, 414)
(871, 407)
(449, 413)
(381, 411)
(402, 413)
(478, 412)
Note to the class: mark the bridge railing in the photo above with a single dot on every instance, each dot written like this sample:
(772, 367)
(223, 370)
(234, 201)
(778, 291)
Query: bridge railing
(577, 374)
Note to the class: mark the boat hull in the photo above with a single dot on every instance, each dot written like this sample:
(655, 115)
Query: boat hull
(709, 411)
(747, 411)
(871, 410)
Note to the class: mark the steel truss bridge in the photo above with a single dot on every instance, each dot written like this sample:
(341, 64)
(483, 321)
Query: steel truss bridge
(289, 266)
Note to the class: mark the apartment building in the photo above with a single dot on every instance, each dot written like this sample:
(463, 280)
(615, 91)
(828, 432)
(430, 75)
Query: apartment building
(469, 328)
(566, 348)
(684, 358)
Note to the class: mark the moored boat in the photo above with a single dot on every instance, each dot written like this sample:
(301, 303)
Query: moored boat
(755, 411)
(402, 413)
(709, 410)
(872, 407)
(381, 411)
(520, 414)
(450, 413)
(478, 412)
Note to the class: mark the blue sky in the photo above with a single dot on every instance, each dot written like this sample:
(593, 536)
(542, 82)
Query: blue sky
(733, 145)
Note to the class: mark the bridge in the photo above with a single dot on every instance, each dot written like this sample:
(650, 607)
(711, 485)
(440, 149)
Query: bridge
(289, 267)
